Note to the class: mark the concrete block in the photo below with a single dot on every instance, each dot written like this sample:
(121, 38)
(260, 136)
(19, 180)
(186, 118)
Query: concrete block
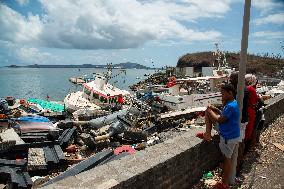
(36, 160)
(108, 184)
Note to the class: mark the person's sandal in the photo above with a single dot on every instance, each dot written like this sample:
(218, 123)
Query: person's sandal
(200, 135)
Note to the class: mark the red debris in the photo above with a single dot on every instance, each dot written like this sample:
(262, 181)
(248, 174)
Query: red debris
(71, 149)
(121, 149)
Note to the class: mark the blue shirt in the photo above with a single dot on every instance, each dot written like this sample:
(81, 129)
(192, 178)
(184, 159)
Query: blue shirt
(230, 129)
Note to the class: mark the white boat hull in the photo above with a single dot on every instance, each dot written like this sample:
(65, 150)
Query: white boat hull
(76, 101)
(193, 100)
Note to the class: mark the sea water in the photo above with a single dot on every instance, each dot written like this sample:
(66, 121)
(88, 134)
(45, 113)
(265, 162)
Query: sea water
(54, 82)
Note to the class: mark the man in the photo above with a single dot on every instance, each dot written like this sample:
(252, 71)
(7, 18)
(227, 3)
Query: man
(229, 129)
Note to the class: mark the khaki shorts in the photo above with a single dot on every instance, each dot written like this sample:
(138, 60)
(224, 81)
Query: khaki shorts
(227, 147)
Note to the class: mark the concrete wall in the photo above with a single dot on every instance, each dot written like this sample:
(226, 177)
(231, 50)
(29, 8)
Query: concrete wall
(274, 108)
(185, 71)
(176, 163)
(189, 71)
(207, 71)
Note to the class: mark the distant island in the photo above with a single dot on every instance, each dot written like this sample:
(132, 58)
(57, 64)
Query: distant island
(127, 65)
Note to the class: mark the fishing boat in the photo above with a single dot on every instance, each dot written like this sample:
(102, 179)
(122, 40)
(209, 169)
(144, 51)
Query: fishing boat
(95, 95)
(192, 92)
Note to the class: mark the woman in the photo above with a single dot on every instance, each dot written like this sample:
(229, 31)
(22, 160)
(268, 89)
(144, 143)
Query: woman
(252, 102)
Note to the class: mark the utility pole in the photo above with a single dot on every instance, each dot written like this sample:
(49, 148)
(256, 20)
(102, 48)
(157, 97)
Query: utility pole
(241, 78)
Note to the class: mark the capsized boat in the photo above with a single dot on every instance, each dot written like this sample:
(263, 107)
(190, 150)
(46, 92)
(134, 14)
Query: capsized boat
(95, 95)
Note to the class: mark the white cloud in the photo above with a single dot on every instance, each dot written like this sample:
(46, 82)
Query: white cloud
(269, 34)
(266, 6)
(110, 24)
(24, 54)
(273, 19)
(23, 2)
(17, 28)
(209, 7)
(261, 42)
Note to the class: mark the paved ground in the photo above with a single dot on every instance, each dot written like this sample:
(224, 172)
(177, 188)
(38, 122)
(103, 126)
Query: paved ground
(262, 168)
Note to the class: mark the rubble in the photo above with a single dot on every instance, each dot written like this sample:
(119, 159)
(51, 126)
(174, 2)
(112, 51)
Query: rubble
(60, 145)
(14, 173)
(60, 148)
(53, 156)
(8, 139)
(65, 137)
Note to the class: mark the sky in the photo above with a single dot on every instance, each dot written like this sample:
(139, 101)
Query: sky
(154, 33)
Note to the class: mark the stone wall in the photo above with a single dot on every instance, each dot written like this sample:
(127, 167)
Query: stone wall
(175, 163)
(274, 108)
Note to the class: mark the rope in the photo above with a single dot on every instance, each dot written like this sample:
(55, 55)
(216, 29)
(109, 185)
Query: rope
(121, 71)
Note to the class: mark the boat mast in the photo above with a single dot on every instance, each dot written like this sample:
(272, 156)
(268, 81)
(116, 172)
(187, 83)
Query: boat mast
(221, 58)
(109, 72)
(218, 54)
(225, 63)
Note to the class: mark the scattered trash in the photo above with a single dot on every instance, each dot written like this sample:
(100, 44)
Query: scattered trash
(153, 140)
(13, 172)
(127, 149)
(52, 143)
(210, 182)
(279, 146)
(208, 175)
(71, 148)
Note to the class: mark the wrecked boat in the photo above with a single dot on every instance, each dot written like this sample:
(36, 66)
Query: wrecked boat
(192, 92)
(95, 95)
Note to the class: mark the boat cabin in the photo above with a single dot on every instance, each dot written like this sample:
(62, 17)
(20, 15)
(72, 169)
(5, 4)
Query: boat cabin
(101, 91)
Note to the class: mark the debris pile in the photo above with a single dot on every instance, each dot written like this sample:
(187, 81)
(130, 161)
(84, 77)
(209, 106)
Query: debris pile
(53, 150)
(155, 79)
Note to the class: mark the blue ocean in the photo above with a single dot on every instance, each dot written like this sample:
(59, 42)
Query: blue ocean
(54, 82)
